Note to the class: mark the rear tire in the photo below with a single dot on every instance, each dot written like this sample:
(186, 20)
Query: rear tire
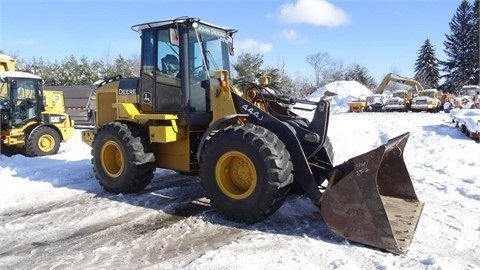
(246, 172)
(42, 141)
(122, 157)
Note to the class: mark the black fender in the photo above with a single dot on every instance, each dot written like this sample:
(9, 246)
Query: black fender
(29, 130)
(302, 172)
(220, 123)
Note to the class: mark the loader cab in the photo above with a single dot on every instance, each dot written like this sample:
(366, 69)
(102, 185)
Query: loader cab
(177, 63)
(21, 98)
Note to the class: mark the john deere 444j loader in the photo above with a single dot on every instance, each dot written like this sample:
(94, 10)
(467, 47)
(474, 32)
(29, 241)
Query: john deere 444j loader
(248, 148)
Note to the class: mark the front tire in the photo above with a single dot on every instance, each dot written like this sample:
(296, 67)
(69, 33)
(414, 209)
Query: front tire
(122, 157)
(246, 172)
(42, 141)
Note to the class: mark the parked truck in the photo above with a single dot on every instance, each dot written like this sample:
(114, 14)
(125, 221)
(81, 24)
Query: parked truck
(428, 100)
(468, 97)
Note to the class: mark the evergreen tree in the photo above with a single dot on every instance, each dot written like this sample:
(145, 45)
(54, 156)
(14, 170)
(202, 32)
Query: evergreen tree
(476, 34)
(69, 70)
(78, 71)
(461, 47)
(122, 67)
(276, 79)
(360, 74)
(247, 67)
(43, 69)
(426, 67)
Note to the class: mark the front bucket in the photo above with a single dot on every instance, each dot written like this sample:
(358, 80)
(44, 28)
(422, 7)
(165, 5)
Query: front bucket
(373, 201)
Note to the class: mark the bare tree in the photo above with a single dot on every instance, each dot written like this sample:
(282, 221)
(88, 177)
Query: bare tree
(134, 61)
(281, 67)
(333, 72)
(302, 85)
(107, 59)
(320, 62)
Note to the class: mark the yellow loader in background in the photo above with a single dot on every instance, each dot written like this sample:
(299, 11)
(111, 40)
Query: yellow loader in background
(358, 105)
(248, 148)
(33, 121)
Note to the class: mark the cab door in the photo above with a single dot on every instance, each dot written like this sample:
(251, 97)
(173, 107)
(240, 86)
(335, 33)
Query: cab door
(160, 83)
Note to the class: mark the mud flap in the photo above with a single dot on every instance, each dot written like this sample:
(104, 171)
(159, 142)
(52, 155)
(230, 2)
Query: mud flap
(372, 200)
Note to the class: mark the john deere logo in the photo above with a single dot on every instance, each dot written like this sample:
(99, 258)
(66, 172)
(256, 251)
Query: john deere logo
(147, 97)
(127, 91)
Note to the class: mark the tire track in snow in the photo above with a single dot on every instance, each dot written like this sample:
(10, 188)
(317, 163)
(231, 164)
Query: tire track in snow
(79, 228)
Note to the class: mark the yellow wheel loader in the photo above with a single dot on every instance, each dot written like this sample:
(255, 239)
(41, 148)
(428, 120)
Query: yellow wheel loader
(33, 121)
(248, 148)
(358, 105)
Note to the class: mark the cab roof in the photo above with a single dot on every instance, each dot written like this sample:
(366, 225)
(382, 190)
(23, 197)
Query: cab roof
(18, 74)
(140, 27)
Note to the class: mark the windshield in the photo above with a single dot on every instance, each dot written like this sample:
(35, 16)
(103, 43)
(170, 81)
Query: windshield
(377, 99)
(208, 51)
(26, 88)
(399, 94)
(469, 92)
(27, 94)
(430, 94)
(4, 93)
(210, 46)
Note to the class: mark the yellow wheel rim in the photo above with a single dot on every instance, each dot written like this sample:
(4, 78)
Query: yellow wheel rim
(46, 143)
(112, 159)
(236, 175)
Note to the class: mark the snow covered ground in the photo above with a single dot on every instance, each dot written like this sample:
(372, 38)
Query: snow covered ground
(54, 214)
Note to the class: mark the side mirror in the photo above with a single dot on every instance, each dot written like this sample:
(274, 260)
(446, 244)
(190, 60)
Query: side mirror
(231, 50)
(205, 84)
(174, 37)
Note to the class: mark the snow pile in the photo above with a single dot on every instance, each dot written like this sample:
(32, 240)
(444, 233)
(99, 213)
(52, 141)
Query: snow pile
(346, 91)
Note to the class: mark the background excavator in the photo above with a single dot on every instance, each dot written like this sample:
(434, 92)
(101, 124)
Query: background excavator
(400, 99)
(415, 99)
(246, 145)
(33, 121)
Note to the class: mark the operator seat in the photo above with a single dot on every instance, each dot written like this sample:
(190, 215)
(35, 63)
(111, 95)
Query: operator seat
(170, 65)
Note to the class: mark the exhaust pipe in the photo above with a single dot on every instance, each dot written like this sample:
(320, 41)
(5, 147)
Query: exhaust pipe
(370, 199)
